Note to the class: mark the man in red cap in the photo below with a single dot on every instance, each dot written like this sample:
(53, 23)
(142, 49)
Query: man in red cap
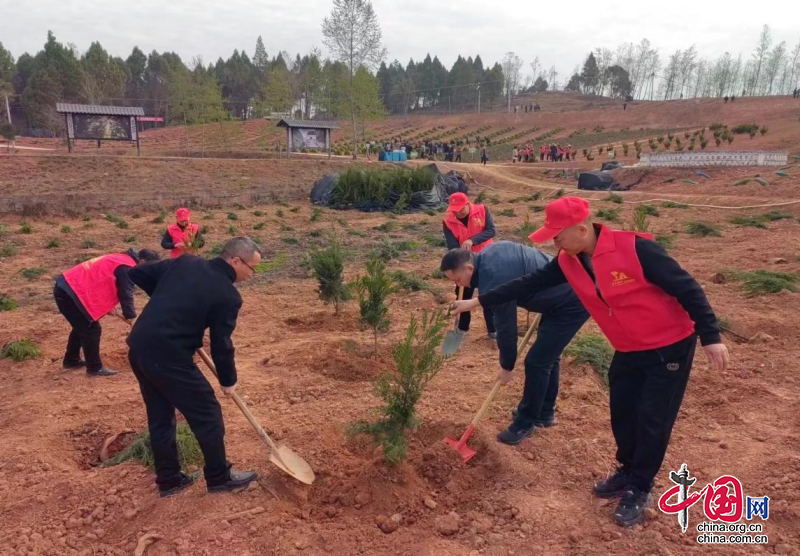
(469, 226)
(181, 235)
(651, 310)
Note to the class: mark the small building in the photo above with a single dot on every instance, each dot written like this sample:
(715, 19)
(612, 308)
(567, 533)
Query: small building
(100, 123)
(307, 134)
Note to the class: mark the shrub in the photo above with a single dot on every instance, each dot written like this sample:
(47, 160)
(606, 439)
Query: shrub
(6, 303)
(25, 228)
(279, 213)
(765, 281)
(764, 130)
(527, 227)
(232, 230)
(592, 350)
(481, 197)
(20, 350)
(417, 361)
(745, 129)
(259, 226)
(625, 147)
(434, 240)
(559, 193)
(316, 214)
(33, 272)
(8, 250)
(411, 282)
(66, 230)
(386, 227)
(159, 219)
(667, 241)
(129, 239)
(233, 216)
(328, 267)
(290, 240)
(258, 213)
(210, 216)
(373, 289)
(612, 215)
(649, 210)
(294, 209)
(88, 244)
(772, 216)
(749, 221)
(53, 242)
(640, 222)
(703, 229)
(672, 204)
(190, 456)
(730, 139)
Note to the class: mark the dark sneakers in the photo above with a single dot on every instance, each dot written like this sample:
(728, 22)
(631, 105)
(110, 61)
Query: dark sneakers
(539, 423)
(72, 365)
(238, 480)
(613, 485)
(513, 435)
(630, 510)
(492, 335)
(185, 482)
(103, 371)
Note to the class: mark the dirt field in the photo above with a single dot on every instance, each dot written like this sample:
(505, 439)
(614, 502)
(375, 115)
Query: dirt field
(306, 373)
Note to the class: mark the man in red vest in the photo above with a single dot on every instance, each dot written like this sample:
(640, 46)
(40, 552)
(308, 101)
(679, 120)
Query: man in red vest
(469, 226)
(179, 235)
(89, 291)
(651, 310)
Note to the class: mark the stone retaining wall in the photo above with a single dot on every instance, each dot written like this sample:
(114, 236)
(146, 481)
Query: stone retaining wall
(721, 158)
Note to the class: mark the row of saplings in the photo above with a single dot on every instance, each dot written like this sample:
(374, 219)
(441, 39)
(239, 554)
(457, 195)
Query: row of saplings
(416, 356)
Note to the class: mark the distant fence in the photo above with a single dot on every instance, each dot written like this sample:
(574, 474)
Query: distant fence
(721, 158)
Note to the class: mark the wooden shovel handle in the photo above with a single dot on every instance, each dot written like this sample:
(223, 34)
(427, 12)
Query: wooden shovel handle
(244, 409)
(497, 385)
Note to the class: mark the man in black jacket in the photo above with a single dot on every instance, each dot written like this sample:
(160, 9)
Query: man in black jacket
(86, 293)
(562, 317)
(187, 295)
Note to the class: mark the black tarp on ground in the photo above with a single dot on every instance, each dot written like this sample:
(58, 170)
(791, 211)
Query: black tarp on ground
(444, 186)
(611, 165)
(596, 181)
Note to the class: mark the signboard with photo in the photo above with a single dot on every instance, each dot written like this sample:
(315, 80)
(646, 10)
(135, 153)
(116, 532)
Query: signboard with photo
(308, 138)
(108, 128)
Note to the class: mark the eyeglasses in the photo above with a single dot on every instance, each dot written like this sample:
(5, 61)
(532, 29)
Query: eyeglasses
(247, 265)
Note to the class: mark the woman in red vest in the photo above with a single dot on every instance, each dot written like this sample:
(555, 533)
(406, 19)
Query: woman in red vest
(178, 235)
(86, 293)
(469, 226)
(651, 310)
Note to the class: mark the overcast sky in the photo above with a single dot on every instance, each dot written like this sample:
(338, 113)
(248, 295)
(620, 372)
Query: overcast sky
(559, 33)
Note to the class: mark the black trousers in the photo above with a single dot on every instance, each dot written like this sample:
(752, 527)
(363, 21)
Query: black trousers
(465, 318)
(166, 387)
(647, 389)
(85, 333)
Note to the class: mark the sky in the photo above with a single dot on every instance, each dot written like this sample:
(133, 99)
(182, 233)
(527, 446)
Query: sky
(559, 33)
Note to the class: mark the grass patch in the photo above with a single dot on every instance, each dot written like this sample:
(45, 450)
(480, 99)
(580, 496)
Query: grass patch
(290, 240)
(773, 216)
(129, 239)
(284, 228)
(20, 350)
(279, 213)
(66, 230)
(233, 216)
(216, 250)
(434, 240)
(703, 229)
(410, 281)
(159, 219)
(612, 215)
(386, 227)
(593, 350)
(278, 261)
(53, 243)
(189, 454)
(6, 303)
(258, 213)
(25, 228)
(649, 210)
(667, 241)
(749, 221)
(294, 209)
(32, 273)
(527, 227)
(614, 198)
(389, 249)
(8, 250)
(259, 225)
(232, 230)
(316, 214)
(765, 281)
(507, 212)
(674, 205)
(315, 233)
(88, 244)
(210, 216)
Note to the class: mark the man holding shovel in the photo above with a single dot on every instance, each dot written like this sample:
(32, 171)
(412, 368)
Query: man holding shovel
(562, 317)
(651, 310)
(89, 291)
(469, 226)
(188, 295)
(181, 236)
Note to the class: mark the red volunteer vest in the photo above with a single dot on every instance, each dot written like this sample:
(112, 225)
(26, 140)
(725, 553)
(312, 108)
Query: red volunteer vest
(180, 236)
(476, 224)
(94, 283)
(634, 314)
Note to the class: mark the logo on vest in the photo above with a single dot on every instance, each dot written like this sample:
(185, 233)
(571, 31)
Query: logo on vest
(620, 278)
(478, 221)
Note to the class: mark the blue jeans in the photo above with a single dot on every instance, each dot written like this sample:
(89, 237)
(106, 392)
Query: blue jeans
(556, 330)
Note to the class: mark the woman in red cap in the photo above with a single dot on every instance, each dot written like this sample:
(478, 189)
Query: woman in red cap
(651, 310)
(469, 226)
(181, 235)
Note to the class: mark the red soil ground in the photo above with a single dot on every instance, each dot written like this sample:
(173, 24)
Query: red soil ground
(306, 374)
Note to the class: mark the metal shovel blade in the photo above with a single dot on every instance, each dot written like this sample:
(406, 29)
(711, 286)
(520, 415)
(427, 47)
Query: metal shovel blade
(452, 341)
(292, 464)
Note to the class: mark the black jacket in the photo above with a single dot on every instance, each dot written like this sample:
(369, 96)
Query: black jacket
(124, 289)
(187, 295)
(659, 269)
(488, 232)
(503, 261)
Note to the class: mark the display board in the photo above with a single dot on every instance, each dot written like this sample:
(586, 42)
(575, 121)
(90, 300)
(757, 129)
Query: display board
(105, 128)
(308, 138)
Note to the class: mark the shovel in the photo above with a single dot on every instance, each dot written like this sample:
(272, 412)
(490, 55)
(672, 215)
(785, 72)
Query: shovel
(282, 456)
(453, 338)
(460, 445)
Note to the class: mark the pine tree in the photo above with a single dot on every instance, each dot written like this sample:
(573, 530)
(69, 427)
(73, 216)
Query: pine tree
(590, 74)
(373, 289)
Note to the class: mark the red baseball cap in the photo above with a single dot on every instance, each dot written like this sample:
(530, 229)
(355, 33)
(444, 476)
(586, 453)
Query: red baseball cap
(561, 214)
(457, 202)
(182, 214)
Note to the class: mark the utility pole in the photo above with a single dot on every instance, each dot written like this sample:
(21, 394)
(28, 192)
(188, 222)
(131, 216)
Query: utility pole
(479, 98)
(8, 110)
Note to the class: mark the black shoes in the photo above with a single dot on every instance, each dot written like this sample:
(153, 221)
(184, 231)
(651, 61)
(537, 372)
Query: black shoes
(185, 482)
(613, 485)
(492, 335)
(539, 423)
(238, 480)
(514, 435)
(630, 510)
(71, 366)
(103, 371)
